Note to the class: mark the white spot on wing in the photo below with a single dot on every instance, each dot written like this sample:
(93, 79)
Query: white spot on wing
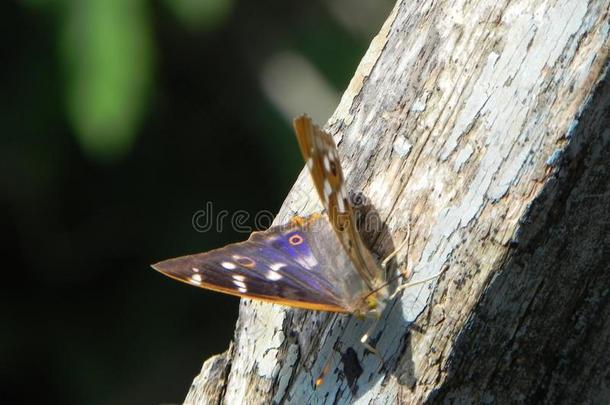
(310, 261)
(197, 277)
(327, 189)
(239, 284)
(277, 266)
(341, 199)
(341, 204)
(228, 265)
(307, 261)
(342, 192)
(326, 163)
(273, 275)
(195, 269)
(238, 277)
(242, 290)
(309, 163)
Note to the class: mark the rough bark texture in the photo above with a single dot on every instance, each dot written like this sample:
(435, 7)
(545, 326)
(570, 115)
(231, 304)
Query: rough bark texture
(485, 124)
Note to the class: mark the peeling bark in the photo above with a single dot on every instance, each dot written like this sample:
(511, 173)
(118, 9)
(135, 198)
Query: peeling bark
(486, 126)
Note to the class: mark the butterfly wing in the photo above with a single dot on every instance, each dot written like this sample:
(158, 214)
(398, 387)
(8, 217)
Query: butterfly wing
(322, 159)
(282, 265)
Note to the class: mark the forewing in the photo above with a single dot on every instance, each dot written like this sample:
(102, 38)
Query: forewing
(322, 159)
(276, 265)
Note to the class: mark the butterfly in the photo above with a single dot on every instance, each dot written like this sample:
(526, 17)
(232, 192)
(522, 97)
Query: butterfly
(317, 262)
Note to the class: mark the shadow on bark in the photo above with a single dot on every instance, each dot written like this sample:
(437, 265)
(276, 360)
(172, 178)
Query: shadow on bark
(541, 332)
(349, 359)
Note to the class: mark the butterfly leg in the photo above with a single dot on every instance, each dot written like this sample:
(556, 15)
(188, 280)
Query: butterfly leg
(364, 340)
(403, 244)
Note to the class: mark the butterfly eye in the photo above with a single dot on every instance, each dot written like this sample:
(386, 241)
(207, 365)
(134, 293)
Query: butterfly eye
(295, 240)
(244, 261)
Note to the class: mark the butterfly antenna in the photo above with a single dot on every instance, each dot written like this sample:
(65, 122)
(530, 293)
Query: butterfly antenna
(364, 341)
(404, 243)
(384, 285)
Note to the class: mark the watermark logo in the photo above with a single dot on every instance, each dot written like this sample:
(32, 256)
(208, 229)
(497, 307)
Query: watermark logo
(206, 220)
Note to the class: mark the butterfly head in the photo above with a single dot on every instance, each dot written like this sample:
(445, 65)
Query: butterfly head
(373, 304)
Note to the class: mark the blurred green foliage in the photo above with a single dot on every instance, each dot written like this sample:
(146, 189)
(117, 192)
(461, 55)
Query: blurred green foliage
(107, 52)
(119, 120)
(200, 14)
(108, 60)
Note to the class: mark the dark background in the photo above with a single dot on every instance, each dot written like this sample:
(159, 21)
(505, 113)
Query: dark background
(120, 119)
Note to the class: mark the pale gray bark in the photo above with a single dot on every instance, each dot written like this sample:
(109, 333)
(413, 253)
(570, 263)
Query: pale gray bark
(486, 125)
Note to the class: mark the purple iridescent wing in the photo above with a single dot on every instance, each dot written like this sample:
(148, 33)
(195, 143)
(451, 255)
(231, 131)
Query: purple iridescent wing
(285, 265)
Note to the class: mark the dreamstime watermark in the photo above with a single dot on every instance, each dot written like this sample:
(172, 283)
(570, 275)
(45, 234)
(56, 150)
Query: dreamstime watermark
(241, 221)
(208, 219)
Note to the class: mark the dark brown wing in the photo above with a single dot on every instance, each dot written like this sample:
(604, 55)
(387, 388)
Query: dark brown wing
(322, 159)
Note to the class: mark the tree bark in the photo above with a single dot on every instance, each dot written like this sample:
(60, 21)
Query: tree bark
(485, 125)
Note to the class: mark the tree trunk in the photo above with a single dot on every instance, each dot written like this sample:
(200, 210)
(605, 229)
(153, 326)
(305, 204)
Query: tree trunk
(483, 124)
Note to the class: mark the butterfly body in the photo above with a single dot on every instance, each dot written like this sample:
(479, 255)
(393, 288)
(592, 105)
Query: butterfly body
(318, 262)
